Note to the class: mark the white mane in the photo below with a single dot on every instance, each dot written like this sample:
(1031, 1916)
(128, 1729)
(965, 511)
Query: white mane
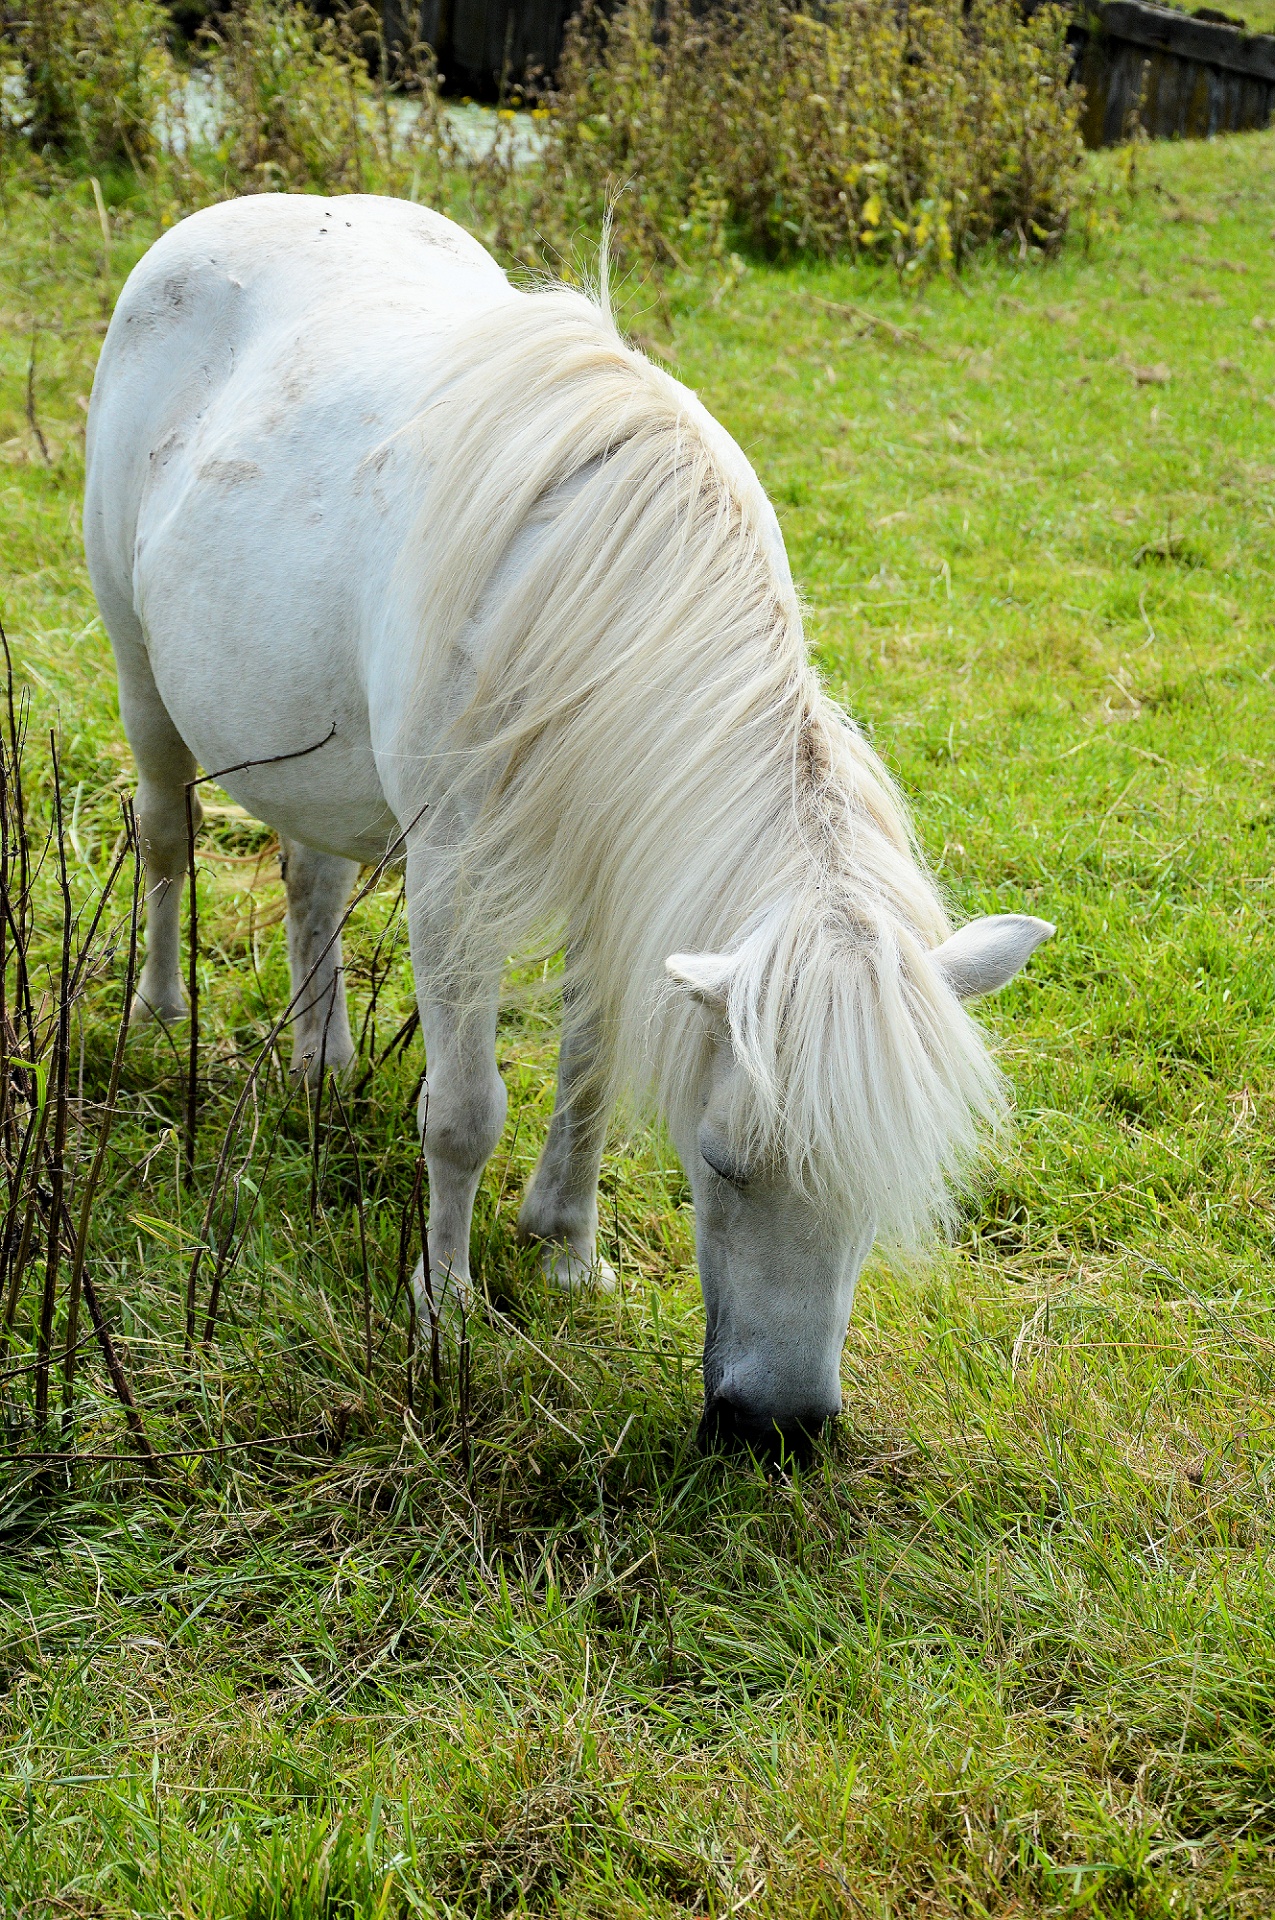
(663, 773)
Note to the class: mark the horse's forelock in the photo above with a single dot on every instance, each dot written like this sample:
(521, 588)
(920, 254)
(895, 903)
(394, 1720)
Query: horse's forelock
(860, 1075)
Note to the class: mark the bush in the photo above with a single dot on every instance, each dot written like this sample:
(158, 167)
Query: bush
(95, 77)
(292, 99)
(295, 108)
(912, 134)
(907, 134)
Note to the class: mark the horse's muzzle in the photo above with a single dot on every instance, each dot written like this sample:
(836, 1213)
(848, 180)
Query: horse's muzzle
(727, 1427)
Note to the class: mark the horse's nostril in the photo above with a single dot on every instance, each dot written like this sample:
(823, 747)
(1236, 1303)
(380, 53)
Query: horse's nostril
(727, 1427)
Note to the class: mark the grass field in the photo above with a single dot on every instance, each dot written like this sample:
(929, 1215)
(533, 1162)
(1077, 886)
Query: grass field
(1008, 1648)
(1257, 15)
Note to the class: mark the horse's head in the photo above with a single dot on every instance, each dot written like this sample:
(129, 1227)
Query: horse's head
(779, 1254)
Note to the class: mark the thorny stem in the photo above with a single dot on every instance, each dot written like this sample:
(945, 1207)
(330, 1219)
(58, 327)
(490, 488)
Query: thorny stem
(404, 1244)
(32, 421)
(17, 736)
(358, 1186)
(192, 1080)
(192, 989)
(271, 1040)
(118, 1377)
(59, 1073)
(104, 1130)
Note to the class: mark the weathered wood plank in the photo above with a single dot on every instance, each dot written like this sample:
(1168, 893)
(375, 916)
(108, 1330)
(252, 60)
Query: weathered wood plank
(1173, 74)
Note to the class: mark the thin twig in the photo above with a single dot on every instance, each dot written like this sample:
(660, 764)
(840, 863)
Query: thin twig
(29, 1366)
(873, 323)
(17, 740)
(6, 1137)
(192, 980)
(427, 1279)
(59, 1094)
(18, 1260)
(32, 422)
(104, 1129)
(271, 1040)
(404, 1244)
(192, 990)
(152, 1459)
(400, 1040)
(358, 1188)
(393, 926)
(228, 1254)
(317, 1176)
(119, 1380)
(104, 222)
(462, 1397)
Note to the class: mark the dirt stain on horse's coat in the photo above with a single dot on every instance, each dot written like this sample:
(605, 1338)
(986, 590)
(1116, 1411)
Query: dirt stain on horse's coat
(229, 473)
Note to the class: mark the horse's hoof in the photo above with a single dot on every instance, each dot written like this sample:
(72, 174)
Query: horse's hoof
(573, 1273)
(163, 1008)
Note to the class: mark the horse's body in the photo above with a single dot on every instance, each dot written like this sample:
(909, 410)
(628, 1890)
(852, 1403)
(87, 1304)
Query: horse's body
(346, 485)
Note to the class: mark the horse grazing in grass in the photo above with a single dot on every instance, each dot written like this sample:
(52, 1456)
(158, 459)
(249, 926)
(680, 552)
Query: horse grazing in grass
(346, 484)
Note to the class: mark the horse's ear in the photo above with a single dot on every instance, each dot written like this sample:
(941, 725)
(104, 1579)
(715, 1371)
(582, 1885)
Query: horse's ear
(705, 976)
(989, 952)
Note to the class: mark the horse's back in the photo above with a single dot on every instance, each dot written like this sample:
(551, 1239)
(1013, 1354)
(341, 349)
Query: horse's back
(225, 282)
(249, 485)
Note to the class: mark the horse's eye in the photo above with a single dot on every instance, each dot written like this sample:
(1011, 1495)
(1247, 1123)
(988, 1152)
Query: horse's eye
(733, 1176)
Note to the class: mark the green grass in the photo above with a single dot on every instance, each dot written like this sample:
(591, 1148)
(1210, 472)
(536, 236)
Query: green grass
(1256, 16)
(1007, 1648)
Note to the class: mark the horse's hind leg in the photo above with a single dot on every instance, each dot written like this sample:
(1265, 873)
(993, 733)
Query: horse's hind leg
(319, 886)
(561, 1205)
(164, 764)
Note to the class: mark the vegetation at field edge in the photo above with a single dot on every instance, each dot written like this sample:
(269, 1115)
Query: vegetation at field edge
(1007, 1647)
(914, 138)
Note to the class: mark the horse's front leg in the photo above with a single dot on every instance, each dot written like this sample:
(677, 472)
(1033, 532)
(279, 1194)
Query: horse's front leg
(561, 1205)
(463, 1102)
(461, 1113)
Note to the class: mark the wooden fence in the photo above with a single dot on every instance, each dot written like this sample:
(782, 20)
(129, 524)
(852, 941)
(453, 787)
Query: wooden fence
(484, 47)
(1176, 74)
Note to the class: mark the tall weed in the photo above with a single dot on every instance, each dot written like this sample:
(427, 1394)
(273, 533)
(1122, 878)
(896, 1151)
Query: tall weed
(95, 79)
(294, 106)
(911, 135)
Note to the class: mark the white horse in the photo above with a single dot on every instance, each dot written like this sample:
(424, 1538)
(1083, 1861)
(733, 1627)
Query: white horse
(346, 483)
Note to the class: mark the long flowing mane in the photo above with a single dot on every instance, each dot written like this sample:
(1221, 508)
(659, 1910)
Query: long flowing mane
(658, 770)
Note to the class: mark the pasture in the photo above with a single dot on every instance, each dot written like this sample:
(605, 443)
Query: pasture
(1006, 1648)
